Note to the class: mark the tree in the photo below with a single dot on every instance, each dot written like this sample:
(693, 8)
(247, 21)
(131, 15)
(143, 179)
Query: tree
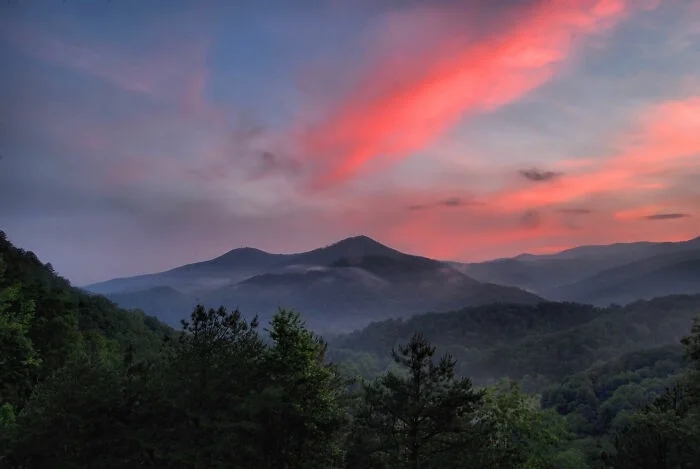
(664, 434)
(8, 429)
(301, 409)
(692, 343)
(691, 381)
(517, 433)
(78, 417)
(203, 397)
(18, 357)
(417, 419)
(659, 436)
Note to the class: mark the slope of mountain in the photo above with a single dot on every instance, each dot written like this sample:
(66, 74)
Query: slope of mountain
(539, 344)
(158, 299)
(237, 264)
(339, 287)
(64, 319)
(598, 274)
(672, 273)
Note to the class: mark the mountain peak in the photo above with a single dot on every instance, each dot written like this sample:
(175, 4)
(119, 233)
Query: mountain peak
(360, 241)
(360, 245)
(352, 247)
(245, 256)
(244, 251)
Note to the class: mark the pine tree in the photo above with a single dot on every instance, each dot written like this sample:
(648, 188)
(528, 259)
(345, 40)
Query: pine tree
(416, 419)
(301, 410)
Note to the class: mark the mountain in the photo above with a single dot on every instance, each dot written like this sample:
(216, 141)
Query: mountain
(240, 264)
(616, 273)
(664, 274)
(235, 265)
(338, 287)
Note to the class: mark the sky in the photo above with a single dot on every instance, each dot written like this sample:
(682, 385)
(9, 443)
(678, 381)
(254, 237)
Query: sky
(136, 136)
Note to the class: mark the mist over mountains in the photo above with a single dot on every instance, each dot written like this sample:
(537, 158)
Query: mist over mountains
(339, 287)
(358, 280)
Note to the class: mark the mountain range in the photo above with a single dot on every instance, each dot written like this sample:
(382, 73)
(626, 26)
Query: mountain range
(600, 275)
(358, 280)
(338, 288)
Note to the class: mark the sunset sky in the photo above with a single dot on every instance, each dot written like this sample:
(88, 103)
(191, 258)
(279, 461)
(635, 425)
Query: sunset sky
(138, 136)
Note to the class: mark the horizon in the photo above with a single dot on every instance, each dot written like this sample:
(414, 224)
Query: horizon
(146, 136)
(288, 253)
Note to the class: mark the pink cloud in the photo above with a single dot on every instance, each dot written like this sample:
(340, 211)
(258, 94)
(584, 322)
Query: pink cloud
(633, 194)
(400, 108)
(665, 142)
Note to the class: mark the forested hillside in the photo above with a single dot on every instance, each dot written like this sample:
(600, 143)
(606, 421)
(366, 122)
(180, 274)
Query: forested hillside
(85, 384)
(46, 323)
(539, 344)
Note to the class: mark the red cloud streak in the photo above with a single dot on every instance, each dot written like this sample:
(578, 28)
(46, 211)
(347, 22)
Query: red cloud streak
(390, 115)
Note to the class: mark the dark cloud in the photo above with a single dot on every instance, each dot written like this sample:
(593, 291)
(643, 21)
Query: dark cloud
(667, 216)
(450, 202)
(537, 175)
(575, 211)
(531, 219)
(270, 163)
(458, 202)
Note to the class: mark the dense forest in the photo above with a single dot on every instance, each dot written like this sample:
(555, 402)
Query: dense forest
(86, 384)
(539, 345)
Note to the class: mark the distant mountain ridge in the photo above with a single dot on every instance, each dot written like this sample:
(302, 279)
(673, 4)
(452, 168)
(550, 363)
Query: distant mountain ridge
(241, 263)
(355, 281)
(338, 287)
(601, 275)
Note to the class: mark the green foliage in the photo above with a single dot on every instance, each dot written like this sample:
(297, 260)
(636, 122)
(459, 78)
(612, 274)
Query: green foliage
(207, 381)
(301, 400)
(522, 435)
(19, 361)
(79, 416)
(8, 429)
(662, 435)
(216, 397)
(601, 398)
(47, 329)
(692, 343)
(540, 344)
(419, 418)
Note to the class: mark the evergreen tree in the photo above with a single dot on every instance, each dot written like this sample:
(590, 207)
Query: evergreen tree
(300, 408)
(19, 361)
(203, 396)
(420, 418)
